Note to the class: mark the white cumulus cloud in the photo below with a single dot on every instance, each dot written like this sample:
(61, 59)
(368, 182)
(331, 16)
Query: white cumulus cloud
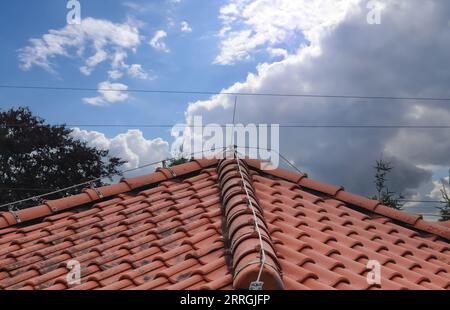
(249, 25)
(157, 41)
(130, 146)
(107, 40)
(109, 93)
(185, 27)
(136, 71)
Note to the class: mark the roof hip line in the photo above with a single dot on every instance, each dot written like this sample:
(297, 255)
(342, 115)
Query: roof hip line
(245, 243)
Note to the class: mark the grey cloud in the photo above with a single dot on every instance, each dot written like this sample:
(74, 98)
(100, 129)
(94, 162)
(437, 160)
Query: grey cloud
(407, 55)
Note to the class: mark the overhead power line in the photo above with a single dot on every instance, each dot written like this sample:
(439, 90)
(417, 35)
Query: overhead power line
(186, 92)
(335, 126)
(421, 201)
(431, 214)
(26, 189)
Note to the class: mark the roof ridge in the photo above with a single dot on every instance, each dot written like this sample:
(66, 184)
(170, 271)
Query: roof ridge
(339, 193)
(90, 195)
(241, 231)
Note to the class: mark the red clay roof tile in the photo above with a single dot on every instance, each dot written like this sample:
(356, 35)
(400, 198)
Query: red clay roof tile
(190, 227)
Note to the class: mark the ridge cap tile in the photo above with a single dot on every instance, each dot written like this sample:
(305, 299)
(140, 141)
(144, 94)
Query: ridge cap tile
(244, 244)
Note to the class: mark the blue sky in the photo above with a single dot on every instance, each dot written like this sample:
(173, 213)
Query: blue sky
(188, 65)
(281, 46)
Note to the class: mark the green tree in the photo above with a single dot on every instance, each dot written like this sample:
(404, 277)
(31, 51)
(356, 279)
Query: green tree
(178, 159)
(445, 209)
(36, 157)
(384, 195)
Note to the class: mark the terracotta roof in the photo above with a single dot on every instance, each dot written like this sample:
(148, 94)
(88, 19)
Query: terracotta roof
(190, 227)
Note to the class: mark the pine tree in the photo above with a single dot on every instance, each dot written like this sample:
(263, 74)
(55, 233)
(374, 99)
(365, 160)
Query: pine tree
(384, 195)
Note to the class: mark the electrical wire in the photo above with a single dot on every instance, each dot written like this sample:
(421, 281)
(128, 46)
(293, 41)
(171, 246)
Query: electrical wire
(294, 126)
(289, 163)
(421, 201)
(430, 214)
(25, 189)
(186, 92)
